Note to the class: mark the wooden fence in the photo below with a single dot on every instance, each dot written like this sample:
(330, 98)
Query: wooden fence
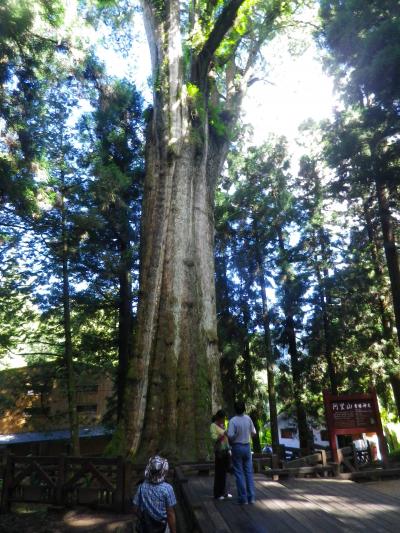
(108, 483)
(100, 482)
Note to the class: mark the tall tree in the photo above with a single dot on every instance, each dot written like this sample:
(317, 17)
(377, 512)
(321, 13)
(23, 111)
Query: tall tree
(56, 221)
(372, 124)
(202, 57)
(254, 218)
(316, 241)
(366, 170)
(115, 159)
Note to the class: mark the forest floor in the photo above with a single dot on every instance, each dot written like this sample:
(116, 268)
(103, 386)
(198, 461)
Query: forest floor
(25, 518)
(41, 519)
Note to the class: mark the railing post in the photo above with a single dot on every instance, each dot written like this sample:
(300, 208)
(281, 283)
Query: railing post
(128, 476)
(120, 482)
(61, 480)
(7, 483)
(323, 457)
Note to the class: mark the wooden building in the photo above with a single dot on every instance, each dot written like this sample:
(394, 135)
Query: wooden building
(34, 409)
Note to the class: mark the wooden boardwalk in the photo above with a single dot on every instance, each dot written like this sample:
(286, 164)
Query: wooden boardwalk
(296, 505)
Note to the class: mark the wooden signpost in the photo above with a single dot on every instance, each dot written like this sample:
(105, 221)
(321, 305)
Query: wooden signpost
(352, 414)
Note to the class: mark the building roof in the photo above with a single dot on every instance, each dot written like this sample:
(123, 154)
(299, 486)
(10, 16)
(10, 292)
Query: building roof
(62, 434)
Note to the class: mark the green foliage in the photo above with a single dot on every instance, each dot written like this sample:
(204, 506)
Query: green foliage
(246, 237)
(197, 103)
(363, 37)
(64, 184)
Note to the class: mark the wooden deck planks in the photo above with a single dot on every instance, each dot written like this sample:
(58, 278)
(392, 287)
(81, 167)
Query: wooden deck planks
(231, 514)
(346, 512)
(278, 501)
(303, 510)
(349, 499)
(296, 505)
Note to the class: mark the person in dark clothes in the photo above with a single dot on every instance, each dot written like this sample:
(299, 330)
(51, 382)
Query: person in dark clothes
(222, 455)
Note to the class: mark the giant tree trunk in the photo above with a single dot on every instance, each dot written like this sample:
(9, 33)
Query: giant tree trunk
(392, 260)
(173, 382)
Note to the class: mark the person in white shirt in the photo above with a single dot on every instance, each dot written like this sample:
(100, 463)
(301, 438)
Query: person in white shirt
(240, 430)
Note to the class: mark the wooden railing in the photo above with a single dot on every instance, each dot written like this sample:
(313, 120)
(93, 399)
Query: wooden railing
(108, 483)
(101, 482)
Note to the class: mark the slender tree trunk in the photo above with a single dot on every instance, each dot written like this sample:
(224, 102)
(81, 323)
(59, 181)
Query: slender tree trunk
(322, 273)
(325, 299)
(394, 378)
(256, 437)
(390, 247)
(226, 323)
(248, 388)
(68, 356)
(125, 319)
(229, 387)
(297, 383)
(249, 385)
(384, 313)
(273, 411)
(290, 335)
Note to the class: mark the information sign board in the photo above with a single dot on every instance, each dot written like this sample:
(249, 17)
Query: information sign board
(352, 414)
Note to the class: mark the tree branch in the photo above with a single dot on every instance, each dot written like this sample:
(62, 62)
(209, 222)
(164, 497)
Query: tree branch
(222, 25)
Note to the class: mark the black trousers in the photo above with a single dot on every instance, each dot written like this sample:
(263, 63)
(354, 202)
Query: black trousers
(222, 465)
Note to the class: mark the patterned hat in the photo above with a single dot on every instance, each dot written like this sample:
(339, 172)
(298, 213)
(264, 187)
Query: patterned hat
(156, 469)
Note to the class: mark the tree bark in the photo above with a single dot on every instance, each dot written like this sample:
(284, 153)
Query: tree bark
(175, 382)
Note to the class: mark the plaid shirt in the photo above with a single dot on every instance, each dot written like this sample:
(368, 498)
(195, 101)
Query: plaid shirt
(155, 498)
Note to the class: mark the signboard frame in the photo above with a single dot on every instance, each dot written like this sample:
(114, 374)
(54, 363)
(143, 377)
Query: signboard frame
(334, 431)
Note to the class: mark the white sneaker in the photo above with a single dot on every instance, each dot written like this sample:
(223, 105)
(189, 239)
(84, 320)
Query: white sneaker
(228, 495)
(221, 498)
